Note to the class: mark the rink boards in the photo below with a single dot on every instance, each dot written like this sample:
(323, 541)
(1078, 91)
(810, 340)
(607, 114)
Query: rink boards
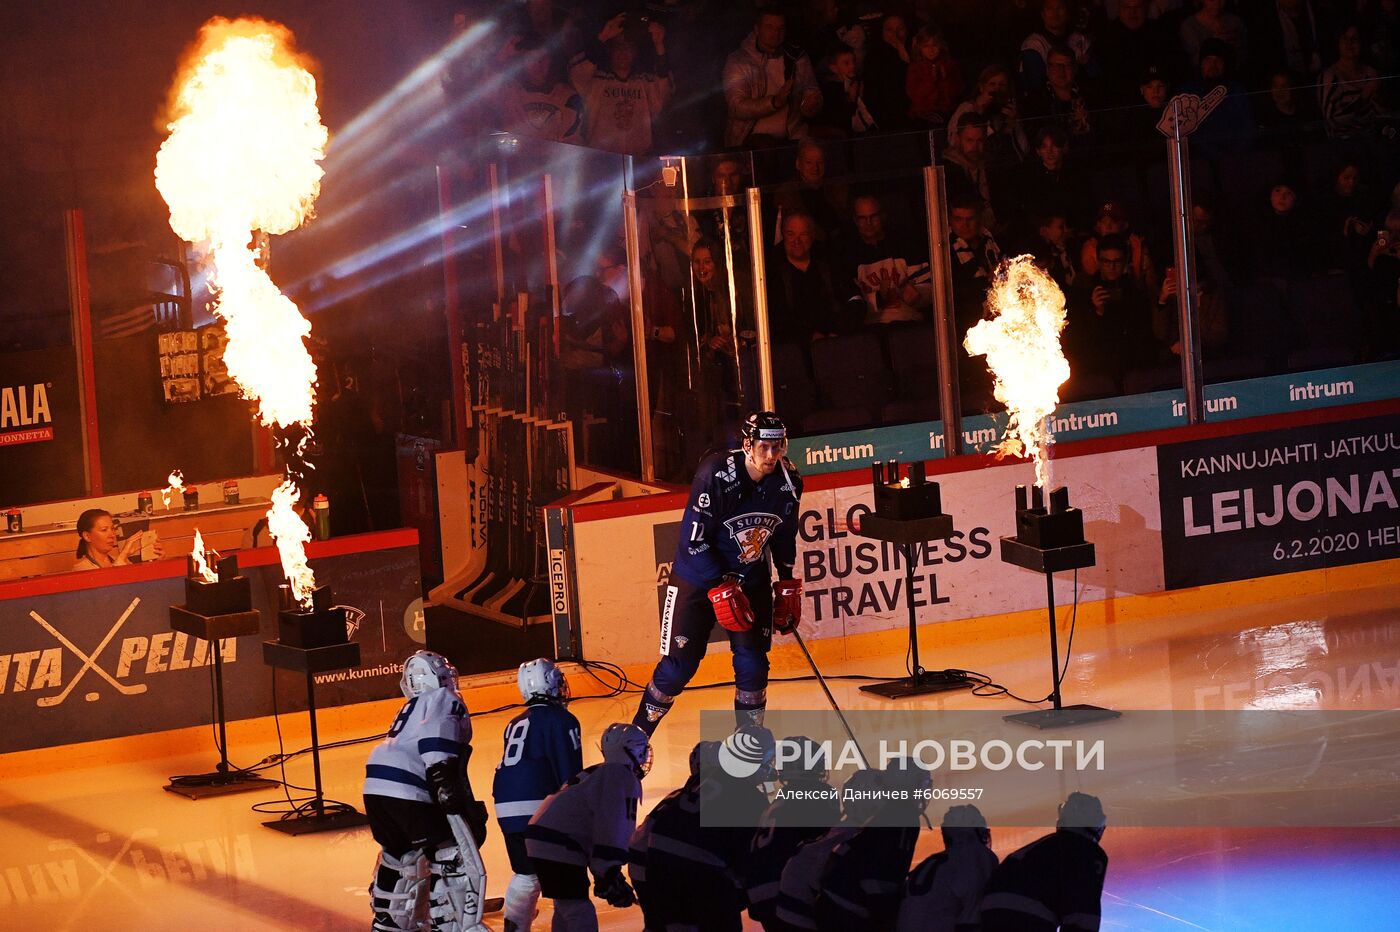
(1168, 510)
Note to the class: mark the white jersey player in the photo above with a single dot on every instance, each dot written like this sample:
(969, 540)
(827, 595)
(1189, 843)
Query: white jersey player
(586, 826)
(420, 804)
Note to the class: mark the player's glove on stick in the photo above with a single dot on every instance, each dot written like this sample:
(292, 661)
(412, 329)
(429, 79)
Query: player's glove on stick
(449, 787)
(787, 605)
(615, 889)
(732, 609)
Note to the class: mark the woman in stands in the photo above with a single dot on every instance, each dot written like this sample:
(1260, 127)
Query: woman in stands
(97, 543)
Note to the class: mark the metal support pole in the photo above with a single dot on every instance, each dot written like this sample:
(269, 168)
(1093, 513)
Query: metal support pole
(551, 246)
(1183, 242)
(461, 404)
(944, 322)
(499, 254)
(1054, 640)
(80, 316)
(320, 801)
(916, 672)
(639, 334)
(223, 767)
(760, 300)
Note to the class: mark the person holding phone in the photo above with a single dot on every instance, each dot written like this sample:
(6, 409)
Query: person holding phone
(98, 545)
(1110, 318)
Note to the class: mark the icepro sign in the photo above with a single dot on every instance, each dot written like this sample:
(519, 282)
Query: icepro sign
(1280, 501)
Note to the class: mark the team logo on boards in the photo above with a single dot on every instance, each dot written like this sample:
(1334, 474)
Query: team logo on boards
(51, 668)
(751, 532)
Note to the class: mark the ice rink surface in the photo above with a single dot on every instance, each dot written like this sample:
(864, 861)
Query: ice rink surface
(102, 846)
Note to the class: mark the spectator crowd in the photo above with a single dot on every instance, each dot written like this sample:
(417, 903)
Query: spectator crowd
(1043, 114)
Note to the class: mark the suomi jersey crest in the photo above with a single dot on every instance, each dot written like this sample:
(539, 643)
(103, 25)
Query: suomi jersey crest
(733, 523)
(751, 532)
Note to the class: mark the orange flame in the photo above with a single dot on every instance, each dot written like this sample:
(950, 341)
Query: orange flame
(291, 533)
(243, 154)
(1022, 344)
(175, 483)
(200, 563)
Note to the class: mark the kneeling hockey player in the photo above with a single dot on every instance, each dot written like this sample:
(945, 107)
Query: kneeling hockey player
(420, 804)
(587, 825)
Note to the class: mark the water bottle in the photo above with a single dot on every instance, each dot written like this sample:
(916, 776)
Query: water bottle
(321, 511)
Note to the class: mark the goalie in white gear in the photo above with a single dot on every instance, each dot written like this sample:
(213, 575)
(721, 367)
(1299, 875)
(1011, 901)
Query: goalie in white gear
(587, 825)
(415, 787)
(543, 750)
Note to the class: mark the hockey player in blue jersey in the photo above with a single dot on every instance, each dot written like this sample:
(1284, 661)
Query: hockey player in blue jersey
(420, 805)
(800, 883)
(543, 751)
(862, 885)
(692, 864)
(585, 826)
(806, 808)
(944, 893)
(639, 851)
(1055, 882)
(743, 509)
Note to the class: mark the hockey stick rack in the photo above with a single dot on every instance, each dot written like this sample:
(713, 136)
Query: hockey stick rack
(1050, 539)
(908, 512)
(214, 611)
(313, 642)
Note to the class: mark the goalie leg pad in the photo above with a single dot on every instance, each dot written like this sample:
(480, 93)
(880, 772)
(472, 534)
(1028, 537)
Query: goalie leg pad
(394, 892)
(458, 891)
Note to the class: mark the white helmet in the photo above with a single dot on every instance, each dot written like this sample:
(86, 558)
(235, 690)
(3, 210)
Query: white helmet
(542, 679)
(427, 670)
(625, 743)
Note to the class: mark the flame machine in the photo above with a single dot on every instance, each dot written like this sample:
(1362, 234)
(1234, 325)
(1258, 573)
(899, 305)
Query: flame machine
(312, 640)
(1049, 538)
(909, 512)
(218, 605)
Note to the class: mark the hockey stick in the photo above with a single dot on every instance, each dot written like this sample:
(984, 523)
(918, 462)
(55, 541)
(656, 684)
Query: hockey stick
(841, 715)
(90, 660)
(829, 697)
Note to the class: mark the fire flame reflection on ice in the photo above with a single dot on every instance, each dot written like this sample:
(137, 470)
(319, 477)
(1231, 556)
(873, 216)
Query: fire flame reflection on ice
(243, 154)
(201, 564)
(1022, 344)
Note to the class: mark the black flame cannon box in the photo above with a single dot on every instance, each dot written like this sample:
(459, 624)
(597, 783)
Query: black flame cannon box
(219, 609)
(908, 510)
(1049, 535)
(323, 625)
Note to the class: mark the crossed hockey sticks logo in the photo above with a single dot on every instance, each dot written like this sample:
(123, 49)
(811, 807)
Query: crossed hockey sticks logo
(89, 660)
(105, 874)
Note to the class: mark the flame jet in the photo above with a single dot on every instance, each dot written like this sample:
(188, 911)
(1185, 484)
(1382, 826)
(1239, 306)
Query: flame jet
(243, 155)
(1022, 344)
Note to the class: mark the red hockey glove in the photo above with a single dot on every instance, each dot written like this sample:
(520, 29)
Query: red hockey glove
(787, 605)
(732, 609)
